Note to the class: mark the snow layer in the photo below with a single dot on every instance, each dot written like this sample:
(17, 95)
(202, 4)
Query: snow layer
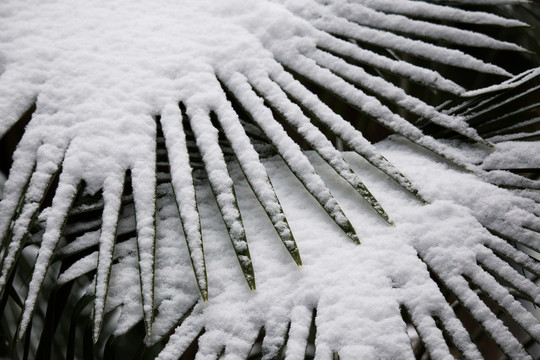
(2, 181)
(100, 72)
(514, 155)
(431, 11)
(357, 290)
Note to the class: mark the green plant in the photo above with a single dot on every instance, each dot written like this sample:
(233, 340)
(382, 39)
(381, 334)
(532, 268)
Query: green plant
(133, 128)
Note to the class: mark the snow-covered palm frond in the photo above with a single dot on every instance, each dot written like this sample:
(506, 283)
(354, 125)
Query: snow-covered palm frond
(140, 112)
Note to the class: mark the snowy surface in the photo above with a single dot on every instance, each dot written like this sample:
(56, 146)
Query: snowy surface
(101, 72)
(357, 290)
(2, 181)
(514, 155)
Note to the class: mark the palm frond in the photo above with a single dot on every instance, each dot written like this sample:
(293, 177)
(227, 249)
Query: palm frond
(149, 122)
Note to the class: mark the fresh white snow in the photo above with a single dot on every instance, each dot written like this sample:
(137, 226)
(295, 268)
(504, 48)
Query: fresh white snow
(101, 73)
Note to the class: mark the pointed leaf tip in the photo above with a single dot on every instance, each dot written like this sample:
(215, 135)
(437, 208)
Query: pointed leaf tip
(351, 233)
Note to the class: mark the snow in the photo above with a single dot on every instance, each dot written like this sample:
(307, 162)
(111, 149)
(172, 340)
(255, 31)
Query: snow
(369, 281)
(507, 84)
(432, 11)
(256, 175)
(112, 196)
(325, 20)
(206, 136)
(369, 105)
(517, 136)
(2, 182)
(363, 15)
(357, 75)
(483, 2)
(341, 128)
(514, 155)
(46, 168)
(418, 74)
(184, 192)
(294, 116)
(65, 193)
(101, 73)
(446, 231)
(289, 151)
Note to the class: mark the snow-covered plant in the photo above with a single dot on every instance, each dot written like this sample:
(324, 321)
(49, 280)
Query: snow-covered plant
(195, 177)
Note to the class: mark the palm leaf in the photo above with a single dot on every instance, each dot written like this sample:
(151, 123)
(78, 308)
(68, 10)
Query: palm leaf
(135, 129)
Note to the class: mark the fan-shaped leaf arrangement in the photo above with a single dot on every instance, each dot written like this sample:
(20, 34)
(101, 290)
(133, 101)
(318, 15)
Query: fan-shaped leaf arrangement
(140, 112)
